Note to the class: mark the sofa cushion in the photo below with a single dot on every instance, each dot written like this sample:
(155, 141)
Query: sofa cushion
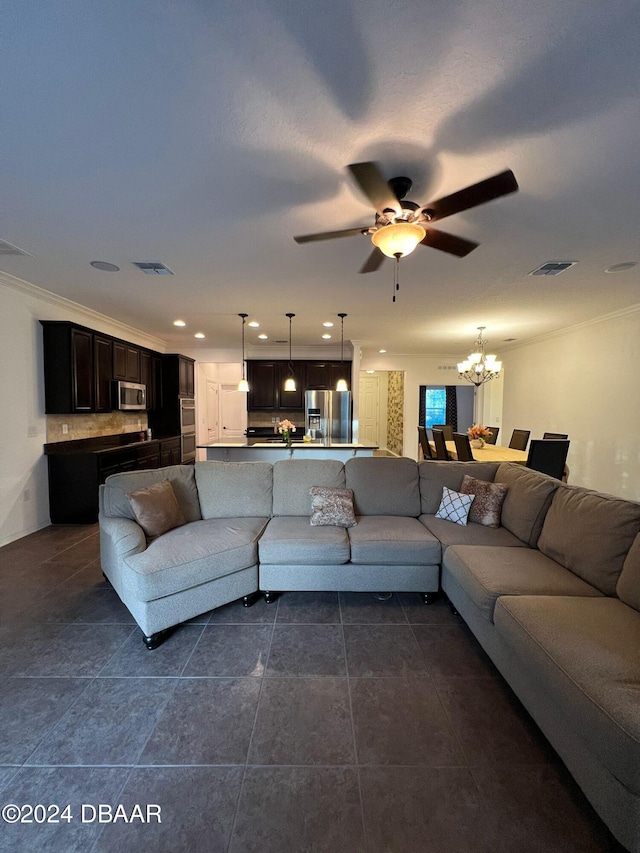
(454, 506)
(332, 506)
(628, 587)
(590, 534)
(487, 573)
(191, 555)
(291, 540)
(293, 478)
(234, 489)
(583, 652)
(156, 509)
(117, 487)
(472, 534)
(487, 502)
(384, 485)
(527, 501)
(434, 475)
(393, 541)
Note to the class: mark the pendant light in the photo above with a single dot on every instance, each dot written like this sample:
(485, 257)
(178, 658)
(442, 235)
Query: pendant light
(290, 381)
(341, 385)
(243, 385)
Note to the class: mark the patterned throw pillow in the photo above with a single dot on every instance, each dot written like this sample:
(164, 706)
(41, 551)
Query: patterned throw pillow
(454, 506)
(489, 498)
(332, 507)
(156, 509)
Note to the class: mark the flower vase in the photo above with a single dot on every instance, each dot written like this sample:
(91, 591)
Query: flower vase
(286, 437)
(477, 443)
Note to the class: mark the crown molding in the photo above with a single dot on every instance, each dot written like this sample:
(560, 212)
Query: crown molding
(28, 289)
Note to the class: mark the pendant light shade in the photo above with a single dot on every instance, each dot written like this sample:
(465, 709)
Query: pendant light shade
(243, 385)
(341, 384)
(290, 381)
(398, 239)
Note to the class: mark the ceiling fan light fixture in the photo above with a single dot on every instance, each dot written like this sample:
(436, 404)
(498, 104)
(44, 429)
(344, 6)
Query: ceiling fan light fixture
(398, 239)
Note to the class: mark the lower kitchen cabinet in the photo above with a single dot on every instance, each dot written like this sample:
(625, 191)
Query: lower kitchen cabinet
(170, 451)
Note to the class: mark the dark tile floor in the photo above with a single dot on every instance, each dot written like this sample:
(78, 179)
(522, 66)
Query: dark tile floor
(322, 722)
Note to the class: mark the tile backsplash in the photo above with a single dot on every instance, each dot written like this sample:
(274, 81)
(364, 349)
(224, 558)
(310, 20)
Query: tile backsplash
(90, 426)
(258, 419)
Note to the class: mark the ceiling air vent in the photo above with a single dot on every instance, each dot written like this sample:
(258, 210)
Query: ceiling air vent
(553, 268)
(153, 268)
(10, 249)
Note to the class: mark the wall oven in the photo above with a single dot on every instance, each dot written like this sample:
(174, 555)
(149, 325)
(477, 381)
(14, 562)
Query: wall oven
(188, 429)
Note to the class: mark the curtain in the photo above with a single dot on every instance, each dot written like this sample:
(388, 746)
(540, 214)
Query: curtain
(451, 410)
(422, 406)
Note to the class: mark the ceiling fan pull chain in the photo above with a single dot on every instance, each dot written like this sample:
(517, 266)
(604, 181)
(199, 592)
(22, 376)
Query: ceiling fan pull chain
(396, 285)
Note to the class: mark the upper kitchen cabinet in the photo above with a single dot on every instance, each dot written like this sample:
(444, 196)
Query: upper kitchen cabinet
(126, 362)
(102, 372)
(266, 383)
(178, 377)
(323, 375)
(186, 377)
(68, 368)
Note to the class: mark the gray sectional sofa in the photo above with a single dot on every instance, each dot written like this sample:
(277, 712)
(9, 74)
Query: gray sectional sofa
(552, 594)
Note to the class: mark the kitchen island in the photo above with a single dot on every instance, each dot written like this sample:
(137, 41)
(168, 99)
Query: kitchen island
(273, 451)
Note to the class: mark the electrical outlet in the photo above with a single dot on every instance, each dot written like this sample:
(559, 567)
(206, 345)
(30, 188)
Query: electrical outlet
(26, 495)
(65, 429)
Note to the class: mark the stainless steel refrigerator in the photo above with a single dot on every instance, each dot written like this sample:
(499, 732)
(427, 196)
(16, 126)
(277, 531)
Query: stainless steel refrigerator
(328, 416)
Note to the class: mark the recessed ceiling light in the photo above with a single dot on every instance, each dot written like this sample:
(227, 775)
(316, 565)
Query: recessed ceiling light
(382, 350)
(104, 266)
(179, 323)
(627, 265)
(198, 335)
(264, 337)
(327, 337)
(253, 324)
(327, 325)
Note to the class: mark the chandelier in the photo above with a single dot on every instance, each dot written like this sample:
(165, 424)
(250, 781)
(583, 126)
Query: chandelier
(478, 367)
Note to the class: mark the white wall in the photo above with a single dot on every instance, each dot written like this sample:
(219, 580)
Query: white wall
(583, 382)
(24, 497)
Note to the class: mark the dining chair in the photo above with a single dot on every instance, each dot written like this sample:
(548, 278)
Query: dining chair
(491, 439)
(548, 456)
(519, 439)
(463, 447)
(424, 443)
(441, 447)
(548, 435)
(447, 429)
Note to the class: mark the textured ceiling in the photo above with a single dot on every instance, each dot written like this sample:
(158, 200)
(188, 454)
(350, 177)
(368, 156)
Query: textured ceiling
(206, 134)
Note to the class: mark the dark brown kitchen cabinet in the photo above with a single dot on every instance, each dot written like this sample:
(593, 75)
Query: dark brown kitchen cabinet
(170, 451)
(102, 364)
(263, 378)
(324, 375)
(148, 455)
(126, 362)
(146, 376)
(267, 378)
(186, 377)
(68, 368)
(292, 400)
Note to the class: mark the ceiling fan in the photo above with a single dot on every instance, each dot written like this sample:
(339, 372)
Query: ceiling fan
(401, 224)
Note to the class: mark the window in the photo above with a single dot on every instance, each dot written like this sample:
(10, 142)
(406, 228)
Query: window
(435, 406)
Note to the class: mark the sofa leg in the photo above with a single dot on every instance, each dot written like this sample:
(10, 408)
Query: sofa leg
(250, 600)
(452, 607)
(155, 640)
(430, 597)
(270, 597)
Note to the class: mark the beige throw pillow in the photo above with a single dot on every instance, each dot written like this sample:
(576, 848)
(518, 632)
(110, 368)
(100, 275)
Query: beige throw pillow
(156, 509)
(489, 497)
(332, 507)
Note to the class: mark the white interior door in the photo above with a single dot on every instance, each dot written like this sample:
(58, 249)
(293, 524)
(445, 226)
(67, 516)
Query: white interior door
(369, 409)
(213, 411)
(233, 414)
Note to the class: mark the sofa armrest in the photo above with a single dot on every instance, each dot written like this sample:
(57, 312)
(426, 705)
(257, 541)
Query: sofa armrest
(119, 538)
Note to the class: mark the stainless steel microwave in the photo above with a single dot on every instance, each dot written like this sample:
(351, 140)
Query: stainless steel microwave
(129, 396)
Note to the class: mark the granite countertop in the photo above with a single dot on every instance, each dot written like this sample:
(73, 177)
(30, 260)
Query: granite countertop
(103, 443)
(297, 445)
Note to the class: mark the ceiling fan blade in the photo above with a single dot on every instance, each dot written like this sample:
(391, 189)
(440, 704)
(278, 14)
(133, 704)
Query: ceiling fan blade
(472, 196)
(330, 235)
(448, 243)
(373, 262)
(373, 185)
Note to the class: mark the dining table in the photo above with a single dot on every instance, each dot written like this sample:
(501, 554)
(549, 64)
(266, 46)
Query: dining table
(488, 453)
